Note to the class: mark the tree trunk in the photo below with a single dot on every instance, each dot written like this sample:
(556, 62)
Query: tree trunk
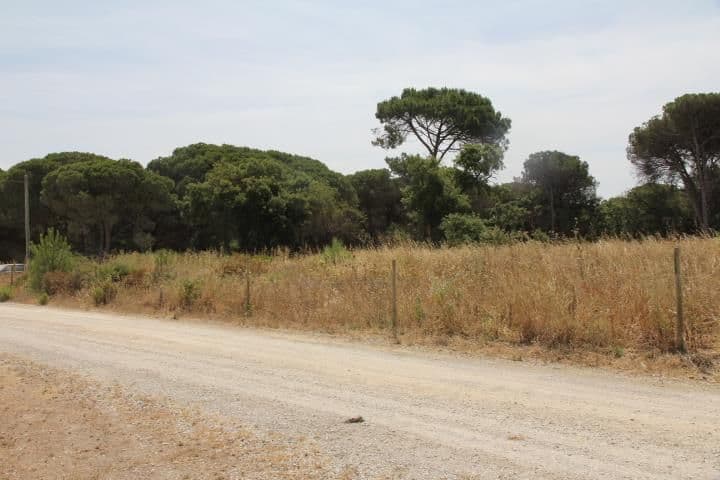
(704, 214)
(552, 210)
(101, 239)
(107, 226)
(701, 168)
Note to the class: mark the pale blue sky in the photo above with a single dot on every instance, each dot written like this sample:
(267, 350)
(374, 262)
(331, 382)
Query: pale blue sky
(136, 79)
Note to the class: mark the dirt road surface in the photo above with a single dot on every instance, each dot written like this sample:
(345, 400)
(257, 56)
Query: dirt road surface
(426, 415)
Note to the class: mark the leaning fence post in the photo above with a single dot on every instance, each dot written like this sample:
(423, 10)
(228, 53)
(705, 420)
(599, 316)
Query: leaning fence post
(680, 327)
(247, 294)
(393, 318)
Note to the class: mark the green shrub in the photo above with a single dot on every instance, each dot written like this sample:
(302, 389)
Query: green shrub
(335, 253)
(189, 293)
(51, 254)
(540, 236)
(43, 299)
(103, 292)
(5, 293)
(113, 272)
(461, 228)
(162, 259)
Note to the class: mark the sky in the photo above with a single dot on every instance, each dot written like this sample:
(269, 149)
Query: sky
(136, 79)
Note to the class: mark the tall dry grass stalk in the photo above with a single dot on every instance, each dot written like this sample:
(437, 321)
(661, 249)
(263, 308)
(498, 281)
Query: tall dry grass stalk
(609, 295)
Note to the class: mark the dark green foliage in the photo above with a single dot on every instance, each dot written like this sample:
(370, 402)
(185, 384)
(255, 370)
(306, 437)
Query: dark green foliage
(649, 209)
(51, 254)
(5, 293)
(335, 252)
(441, 119)
(255, 200)
(379, 198)
(479, 162)
(462, 228)
(429, 193)
(683, 144)
(237, 198)
(43, 299)
(12, 212)
(191, 164)
(103, 292)
(189, 293)
(565, 191)
(113, 272)
(96, 197)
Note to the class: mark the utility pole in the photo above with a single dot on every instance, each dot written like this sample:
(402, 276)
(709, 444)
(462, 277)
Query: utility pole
(27, 222)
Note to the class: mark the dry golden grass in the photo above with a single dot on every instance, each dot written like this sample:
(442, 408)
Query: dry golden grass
(610, 297)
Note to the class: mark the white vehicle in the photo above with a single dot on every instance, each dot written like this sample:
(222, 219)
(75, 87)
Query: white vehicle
(8, 267)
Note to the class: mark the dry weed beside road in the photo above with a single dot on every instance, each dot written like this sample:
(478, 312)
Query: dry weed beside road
(57, 425)
(611, 298)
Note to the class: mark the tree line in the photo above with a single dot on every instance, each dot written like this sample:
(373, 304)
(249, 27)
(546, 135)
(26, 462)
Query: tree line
(237, 198)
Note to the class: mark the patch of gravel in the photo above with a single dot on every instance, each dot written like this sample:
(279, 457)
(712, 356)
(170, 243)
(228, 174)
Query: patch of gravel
(58, 425)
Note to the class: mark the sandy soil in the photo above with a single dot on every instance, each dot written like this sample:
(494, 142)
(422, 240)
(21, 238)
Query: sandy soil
(427, 415)
(58, 425)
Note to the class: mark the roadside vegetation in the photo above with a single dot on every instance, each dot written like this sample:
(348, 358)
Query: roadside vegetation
(610, 297)
(542, 260)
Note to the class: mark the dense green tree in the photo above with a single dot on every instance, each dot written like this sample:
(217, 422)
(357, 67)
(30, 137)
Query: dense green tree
(442, 119)
(475, 166)
(97, 196)
(429, 192)
(565, 189)
(479, 162)
(244, 203)
(682, 144)
(192, 163)
(379, 199)
(461, 228)
(12, 207)
(648, 209)
(511, 207)
(259, 201)
(10, 241)
(328, 216)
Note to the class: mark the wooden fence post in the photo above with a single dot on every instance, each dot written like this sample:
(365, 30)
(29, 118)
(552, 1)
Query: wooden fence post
(12, 273)
(393, 318)
(680, 327)
(247, 294)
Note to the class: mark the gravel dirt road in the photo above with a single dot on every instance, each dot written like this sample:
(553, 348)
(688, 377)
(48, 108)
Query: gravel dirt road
(426, 415)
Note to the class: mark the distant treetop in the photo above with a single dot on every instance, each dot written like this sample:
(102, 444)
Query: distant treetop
(442, 119)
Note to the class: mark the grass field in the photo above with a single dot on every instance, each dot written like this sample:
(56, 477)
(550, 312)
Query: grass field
(609, 297)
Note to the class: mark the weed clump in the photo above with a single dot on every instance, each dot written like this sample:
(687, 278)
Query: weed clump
(335, 253)
(189, 293)
(113, 272)
(5, 293)
(162, 260)
(51, 254)
(54, 283)
(103, 292)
